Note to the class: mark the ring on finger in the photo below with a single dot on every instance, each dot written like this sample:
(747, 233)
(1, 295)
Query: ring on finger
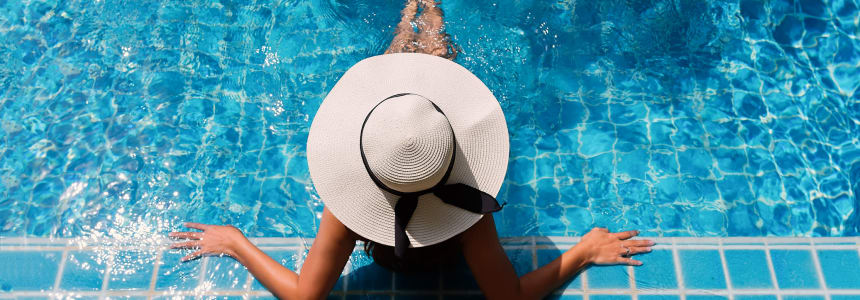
(628, 252)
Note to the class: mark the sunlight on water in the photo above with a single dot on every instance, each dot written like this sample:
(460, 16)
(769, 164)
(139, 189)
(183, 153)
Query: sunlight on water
(120, 121)
(690, 118)
(118, 235)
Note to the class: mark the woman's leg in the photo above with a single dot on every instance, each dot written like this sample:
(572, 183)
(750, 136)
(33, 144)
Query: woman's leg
(404, 39)
(432, 38)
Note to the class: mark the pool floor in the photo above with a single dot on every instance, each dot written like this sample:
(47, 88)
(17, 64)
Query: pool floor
(678, 268)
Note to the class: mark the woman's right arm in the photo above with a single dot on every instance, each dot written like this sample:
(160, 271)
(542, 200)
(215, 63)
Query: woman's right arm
(328, 255)
(498, 280)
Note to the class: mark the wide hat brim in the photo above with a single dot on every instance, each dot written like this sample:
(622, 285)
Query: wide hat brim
(334, 157)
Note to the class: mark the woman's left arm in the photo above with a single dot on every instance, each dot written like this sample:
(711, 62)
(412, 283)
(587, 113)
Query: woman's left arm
(326, 259)
(496, 276)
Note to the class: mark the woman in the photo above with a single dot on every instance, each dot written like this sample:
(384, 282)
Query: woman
(408, 151)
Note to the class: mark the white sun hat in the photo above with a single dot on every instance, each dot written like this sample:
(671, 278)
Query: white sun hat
(391, 129)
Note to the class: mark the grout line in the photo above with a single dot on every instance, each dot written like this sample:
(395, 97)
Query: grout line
(155, 268)
(632, 282)
(249, 281)
(534, 253)
(33, 248)
(506, 247)
(106, 277)
(144, 293)
(678, 275)
(60, 270)
(201, 275)
(559, 246)
(819, 272)
(439, 286)
(297, 242)
(728, 278)
(345, 273)
(584, 287)
(770, 269)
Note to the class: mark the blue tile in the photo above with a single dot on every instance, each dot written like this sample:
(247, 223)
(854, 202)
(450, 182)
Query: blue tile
(338, 285)
(410, 281)
(835, 265)
(563, 297)
(458, 277)
(544, 256)
(803, 297)
(755, 297)
(748, 269)
(706, 297)
(176, 275)
(702, 269)
(221, 298)
(657, 270)
(288, 259)
(417, 297)
(521, 259)
(464, 297)
(794, 269)
(84, 271)
(844, 297)
(608, 277)
(225, 273)
(28, 271)
(136, 272)
(659, 297)
(427, 296)
(609, 297)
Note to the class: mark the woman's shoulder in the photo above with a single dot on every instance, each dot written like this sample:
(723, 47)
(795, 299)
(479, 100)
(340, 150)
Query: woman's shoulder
(485, 228)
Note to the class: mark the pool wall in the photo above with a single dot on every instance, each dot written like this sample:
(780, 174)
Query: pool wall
(678, 268)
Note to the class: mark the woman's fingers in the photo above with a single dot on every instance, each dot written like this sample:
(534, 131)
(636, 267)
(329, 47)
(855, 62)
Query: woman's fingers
(626, 234)
(194, 255)
(186, 245)
(196, 225)
(186, 235)
(637, 250)
(630, 251)
(629, 261)
(601, 229)
(638, 243)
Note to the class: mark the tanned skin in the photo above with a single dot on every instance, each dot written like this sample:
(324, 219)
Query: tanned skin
(430, 37)
(481, 247)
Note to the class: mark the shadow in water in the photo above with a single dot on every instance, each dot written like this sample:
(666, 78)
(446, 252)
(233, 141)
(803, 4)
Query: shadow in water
(368, 278)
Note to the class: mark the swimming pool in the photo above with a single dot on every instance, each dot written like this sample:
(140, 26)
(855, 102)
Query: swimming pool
(118, 121)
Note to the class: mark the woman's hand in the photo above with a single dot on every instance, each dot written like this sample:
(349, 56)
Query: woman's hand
(214, 240)
(602, 247)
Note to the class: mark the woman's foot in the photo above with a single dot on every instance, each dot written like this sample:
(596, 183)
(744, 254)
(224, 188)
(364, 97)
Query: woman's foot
(431, 32)
(404, 35)
(431, 37)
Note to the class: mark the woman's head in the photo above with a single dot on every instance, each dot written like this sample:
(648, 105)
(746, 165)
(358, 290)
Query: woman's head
(408, 150)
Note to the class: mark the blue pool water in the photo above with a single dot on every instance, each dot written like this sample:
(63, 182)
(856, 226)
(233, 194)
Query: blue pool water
(120, 120)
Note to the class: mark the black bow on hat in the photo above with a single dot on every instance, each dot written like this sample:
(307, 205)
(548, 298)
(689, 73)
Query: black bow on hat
(460, 195)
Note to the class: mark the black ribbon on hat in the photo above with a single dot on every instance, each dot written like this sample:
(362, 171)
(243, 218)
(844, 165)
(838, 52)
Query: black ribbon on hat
(459, 195)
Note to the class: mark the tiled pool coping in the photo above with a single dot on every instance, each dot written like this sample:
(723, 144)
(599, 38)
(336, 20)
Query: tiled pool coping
(678, 268)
